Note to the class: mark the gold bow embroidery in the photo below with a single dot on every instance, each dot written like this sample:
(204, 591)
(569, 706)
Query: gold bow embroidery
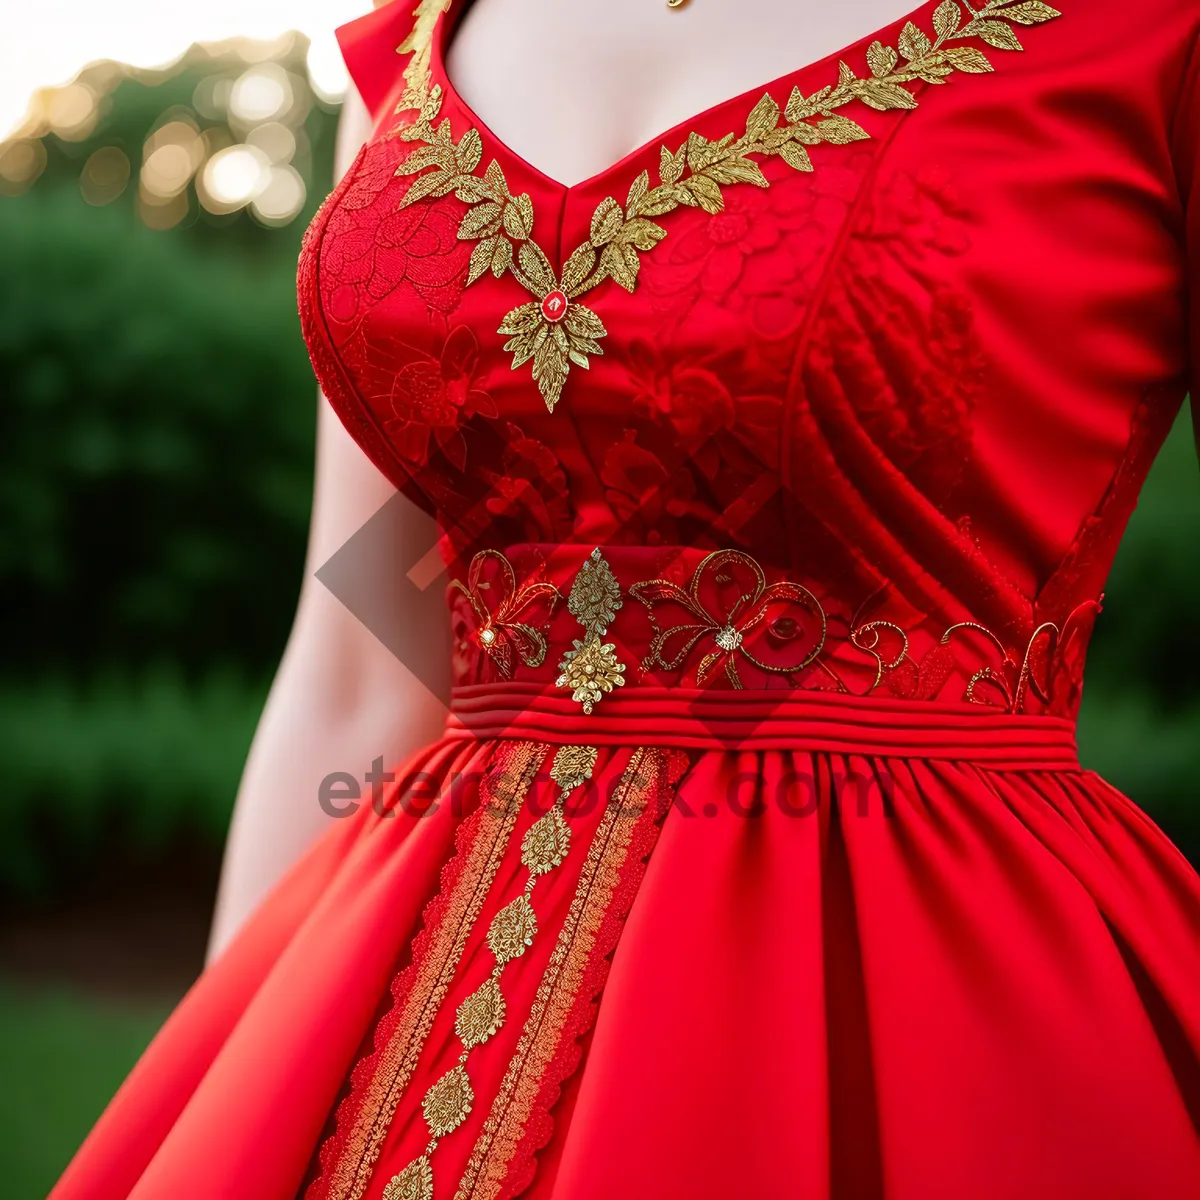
(501, 633)
(761, 615)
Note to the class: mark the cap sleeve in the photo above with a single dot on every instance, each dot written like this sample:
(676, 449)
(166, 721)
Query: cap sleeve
(370, 48)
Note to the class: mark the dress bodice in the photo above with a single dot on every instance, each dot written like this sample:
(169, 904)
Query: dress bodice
(902, 330)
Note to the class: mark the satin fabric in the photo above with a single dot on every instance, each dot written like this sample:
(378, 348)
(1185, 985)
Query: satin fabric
(876, 934)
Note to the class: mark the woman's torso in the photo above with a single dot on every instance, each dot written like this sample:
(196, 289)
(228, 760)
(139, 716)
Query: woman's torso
(917, 361)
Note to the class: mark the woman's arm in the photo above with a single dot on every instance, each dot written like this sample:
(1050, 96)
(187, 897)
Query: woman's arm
(340, 699)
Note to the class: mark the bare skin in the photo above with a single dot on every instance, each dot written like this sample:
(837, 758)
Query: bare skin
(340, 699)
(572, 87)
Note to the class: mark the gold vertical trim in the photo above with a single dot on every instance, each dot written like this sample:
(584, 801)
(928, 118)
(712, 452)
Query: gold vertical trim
(394, 1069)
(448, 1102)
(558, 992)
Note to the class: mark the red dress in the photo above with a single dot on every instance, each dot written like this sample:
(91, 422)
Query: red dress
(779, 468)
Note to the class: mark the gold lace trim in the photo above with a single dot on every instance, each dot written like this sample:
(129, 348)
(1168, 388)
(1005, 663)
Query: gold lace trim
(492, 1155)
(448, 1102)
(507, 785)
(554, 330)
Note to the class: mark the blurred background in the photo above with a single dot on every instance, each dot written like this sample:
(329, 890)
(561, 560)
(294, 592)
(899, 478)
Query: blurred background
(158, 166)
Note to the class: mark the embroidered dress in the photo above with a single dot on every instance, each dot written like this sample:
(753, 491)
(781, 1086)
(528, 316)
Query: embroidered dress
(779, 468)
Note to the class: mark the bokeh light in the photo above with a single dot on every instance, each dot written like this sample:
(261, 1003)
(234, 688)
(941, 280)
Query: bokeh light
(105, 175)
(239, 134)
(72, 111)
(261, 94)
(283, 197)
(21, 162)
(233, 177)
(170, 157)
(58, 37)
(275, 140)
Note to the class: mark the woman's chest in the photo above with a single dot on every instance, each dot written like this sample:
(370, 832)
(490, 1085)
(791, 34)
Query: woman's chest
(572, 86)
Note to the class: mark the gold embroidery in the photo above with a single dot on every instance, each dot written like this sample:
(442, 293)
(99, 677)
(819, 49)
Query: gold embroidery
(573, 766)
(1017, 674)
(415, 1182)
(448, 1102)
(728, 629)
(591, 669)
(418, 44)
(480, 1014)
(546, 844)
(500, 634)
(512, 930)
(558, 991)
(553, 329)
(506, 783)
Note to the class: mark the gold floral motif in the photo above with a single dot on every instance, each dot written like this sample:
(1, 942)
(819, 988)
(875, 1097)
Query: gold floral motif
(573, 766)
(415, 1182)
(512, 930)
(546, 843)
(480, 1014)
(760, 612)
(591, 669)
(499, 606)
(448, 1102)
(554, 329)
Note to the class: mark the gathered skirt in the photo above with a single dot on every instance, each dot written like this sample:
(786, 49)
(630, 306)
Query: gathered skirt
(834, 950)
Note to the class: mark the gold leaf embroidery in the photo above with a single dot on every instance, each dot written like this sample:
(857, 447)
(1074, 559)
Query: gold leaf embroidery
(563, 980)
(573, 766)
(417, 44)
(546, 843)
(621, 234)
(369, 1113)
(512, 930)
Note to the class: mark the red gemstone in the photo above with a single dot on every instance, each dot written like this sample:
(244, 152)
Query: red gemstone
(554, 306)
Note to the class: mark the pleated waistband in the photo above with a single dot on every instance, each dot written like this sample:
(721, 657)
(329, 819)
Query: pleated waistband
(707, 719)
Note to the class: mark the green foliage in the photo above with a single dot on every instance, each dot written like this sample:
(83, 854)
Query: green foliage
(61, 1058)
(1140, 723)
(1147, 640)
(146, 761)
(156, 430)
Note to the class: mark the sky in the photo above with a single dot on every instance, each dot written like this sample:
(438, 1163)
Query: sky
(44, 43)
